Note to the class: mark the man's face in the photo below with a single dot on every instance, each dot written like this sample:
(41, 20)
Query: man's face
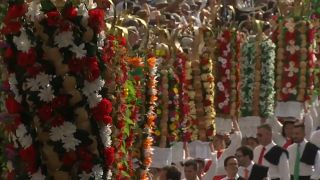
(232, 167)
(241, 159)
(190, 173)
(264, 136)
(288, 129)
(298, 134)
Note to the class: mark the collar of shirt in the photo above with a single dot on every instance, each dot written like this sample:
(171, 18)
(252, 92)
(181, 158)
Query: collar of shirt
(302, 144)
(236, 177)
(269, 146)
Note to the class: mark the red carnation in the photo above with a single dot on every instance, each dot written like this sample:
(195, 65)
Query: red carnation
(45, 112)
(86, 166)
(8, 53)
(28, 155)
(109, 156)
(16, 11)
(107, 119)
(34, 70)
(122, 41)
(13, 106)
(70, 13)
(96, 19)
(102, 109)
(58, 121)
(27, 59)
(69, 158)
(53, 18)
(75, 65)
(11, 28)
(60, 101)
(93, 71)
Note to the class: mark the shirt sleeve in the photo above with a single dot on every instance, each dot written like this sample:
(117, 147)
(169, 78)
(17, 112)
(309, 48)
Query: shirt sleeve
(236, 139)
(308, 122)
(316, 173)
(283, 165)
(213, 168)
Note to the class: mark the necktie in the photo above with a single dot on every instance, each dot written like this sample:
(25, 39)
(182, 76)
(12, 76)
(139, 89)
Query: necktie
(246, 173)
(287, 144)
(297, 164)
(261, 155)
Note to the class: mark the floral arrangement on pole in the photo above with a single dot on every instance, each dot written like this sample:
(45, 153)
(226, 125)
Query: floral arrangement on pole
(295, 60)
(55, 61)
(257, 76)
(227, 73)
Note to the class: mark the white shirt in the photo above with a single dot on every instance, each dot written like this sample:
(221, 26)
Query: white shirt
(230, 151)
(315, 138)
(226, 178)
(212, 169)
(305, 169)
(281, 170)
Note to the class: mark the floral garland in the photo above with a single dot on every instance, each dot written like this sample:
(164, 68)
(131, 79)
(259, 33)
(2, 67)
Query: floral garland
(295, 60)
(174, 108)
(147, 141)
(257, 74)
(227, 73)
(54, 60)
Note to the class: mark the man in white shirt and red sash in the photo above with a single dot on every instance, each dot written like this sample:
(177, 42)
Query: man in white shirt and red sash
(304, 157)
(271, 155)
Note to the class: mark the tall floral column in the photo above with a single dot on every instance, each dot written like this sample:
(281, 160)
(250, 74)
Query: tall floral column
(54, 59)
(227, 72)
(257, 82)
(295, 66)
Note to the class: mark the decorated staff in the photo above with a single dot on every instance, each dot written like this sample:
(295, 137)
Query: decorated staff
(257, 80)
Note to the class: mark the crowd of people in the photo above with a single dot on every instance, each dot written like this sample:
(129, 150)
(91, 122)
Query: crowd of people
(260, 158)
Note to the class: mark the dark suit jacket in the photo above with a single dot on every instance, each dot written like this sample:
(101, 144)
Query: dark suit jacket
(258, 172)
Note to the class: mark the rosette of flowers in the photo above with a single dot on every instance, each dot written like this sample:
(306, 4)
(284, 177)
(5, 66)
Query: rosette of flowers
(227, 71)
(257, 77)
(55, 62)
(295, 60)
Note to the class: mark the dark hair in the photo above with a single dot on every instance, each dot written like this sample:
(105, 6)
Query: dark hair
(192, 163)
(266, 127)
(172, 173)
(246, 151)
(253, 138)
(200, 161)
(299, 125)
(285, 123)
(227, 159)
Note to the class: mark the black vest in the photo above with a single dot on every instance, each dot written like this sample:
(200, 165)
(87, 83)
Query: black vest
(258, 172)
(273, 155)
(309, 154)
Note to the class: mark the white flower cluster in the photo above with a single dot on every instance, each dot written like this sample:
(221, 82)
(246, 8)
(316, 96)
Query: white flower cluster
(97, 173)
(34, 11)
(42, 84)
(13, 87)
(91, 91)
(65, 134)
(22, 42)
(105, 134)
(22, 137)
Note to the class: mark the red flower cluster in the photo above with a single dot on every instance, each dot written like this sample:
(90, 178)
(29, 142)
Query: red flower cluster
(53, 18)
(13, 107)
(96, 19)
(15, 11)
(102, 111)
(109, 156)
(27, 59)
(28, 155)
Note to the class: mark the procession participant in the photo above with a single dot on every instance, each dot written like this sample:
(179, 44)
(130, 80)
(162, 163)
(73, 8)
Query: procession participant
(304, 157)
(191, 169)
(271, 155)
(231, 167)
(223, 152)
(315, 138)
(248, 169)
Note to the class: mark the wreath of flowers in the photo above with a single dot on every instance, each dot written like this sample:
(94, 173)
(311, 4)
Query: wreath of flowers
(227, 73)
(257, 75)
(151, 115)
(55, 59)
(295, 60)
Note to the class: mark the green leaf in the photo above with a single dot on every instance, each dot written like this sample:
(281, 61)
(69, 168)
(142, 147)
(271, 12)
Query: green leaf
(47, 6)
(124, 173)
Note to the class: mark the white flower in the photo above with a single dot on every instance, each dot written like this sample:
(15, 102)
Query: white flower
(70, 142)
(21, 131)
(220, 86)
(79, 50)
(68, 128)
(292, 91)
(38, 176)
(94, 99)
(22, 42)
(12, 79)
(10, 166)
(46, 94)
(43, 79)
(288, 84)
(93, 87)
(82, 10)
(25, 141)
(101, 37)
(220, 105)
(292, 48)
(32, 84)
(292, 69)
(105, 134)
(222, 60)
(64, 39)
(56, 133)
(109, 176)
(34, 11)
(85, 176)
(97, 172)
